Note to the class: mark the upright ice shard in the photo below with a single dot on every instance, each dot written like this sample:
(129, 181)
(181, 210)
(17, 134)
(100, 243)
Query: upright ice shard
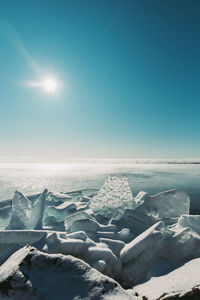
(37, 212)
(113, 197)
(21, 211)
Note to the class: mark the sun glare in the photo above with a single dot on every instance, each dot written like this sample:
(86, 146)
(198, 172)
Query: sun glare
(50, 85)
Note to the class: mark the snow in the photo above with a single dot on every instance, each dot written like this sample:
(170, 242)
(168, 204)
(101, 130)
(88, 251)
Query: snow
(31, 274)
(179, 282)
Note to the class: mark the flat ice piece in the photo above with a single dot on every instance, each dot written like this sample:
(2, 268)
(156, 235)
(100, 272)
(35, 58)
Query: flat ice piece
(113, 266)
(54, 197)
(65, 205)
(74, 247)
(139, 255)
(182, 283)
(61, 211)
(81, 205)
(69, 220)
(88, 192)
(107, 235)
(115, 245)
(78, 235)
(150, 239)
(191, 221)
(21, 211)
(182, 246)
(125, 235)
(169, 204)
(31, 274)
(21, 237)
(87, 225)
(113, 197)
(86, 199)
(136, 221)
(108, 228)
(37, 211)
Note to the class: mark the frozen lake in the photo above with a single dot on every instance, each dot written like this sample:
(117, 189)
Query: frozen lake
(152, 178)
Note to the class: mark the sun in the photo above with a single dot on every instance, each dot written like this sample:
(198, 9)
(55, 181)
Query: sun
(50, 85)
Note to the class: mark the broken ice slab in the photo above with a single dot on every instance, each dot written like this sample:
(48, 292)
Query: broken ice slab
(191, 221)
(115, 245)
(143, 242)
(168, 204)
(21, 211)
(26, 213)
(37, 211)
(82, 215)
(138, 256)
(22, 236)
(58, 198)
(182, 246)
(113, 197)
(75, 196)
(61, 211)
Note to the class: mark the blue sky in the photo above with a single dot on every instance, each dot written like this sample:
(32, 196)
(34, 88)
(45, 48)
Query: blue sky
(130, 72)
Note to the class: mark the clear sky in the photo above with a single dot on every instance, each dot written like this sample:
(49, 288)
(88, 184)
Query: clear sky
(129, 74)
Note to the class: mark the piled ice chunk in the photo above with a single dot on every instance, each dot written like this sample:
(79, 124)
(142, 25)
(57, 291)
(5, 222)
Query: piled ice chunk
(128, 239)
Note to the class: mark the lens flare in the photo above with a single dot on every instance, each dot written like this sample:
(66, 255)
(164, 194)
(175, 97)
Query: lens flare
(50, 85)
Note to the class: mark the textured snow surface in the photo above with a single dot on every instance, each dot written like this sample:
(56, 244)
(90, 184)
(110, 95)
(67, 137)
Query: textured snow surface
(180, 283)
(31, 274)
(130, 239)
